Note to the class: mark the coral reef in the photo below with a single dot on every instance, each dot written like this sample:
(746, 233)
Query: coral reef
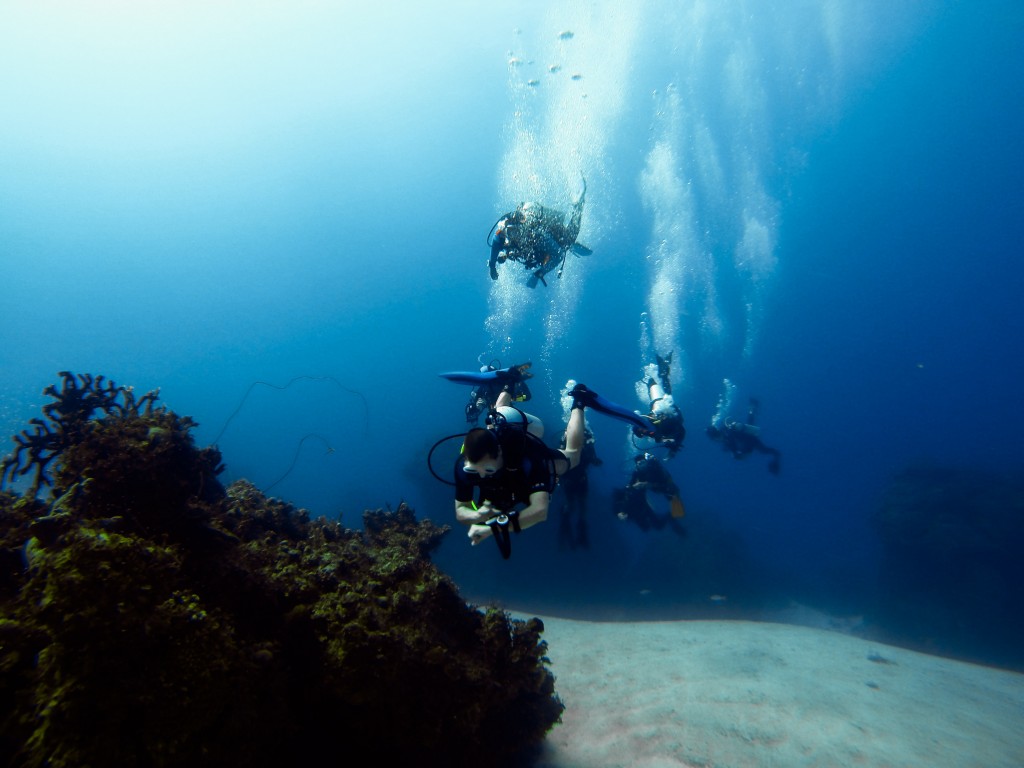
(152, 617)
(951, 569)
(78, 399)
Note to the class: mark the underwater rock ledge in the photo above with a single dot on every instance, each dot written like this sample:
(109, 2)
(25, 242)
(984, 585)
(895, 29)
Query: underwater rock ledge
(153, 617)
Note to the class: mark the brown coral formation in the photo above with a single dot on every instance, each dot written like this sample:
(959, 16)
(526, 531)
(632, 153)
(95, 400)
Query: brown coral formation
(151, 617)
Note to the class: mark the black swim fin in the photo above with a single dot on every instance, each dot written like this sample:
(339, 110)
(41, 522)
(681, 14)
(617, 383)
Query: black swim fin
(538, 275)
(581, 250)
(591, 399)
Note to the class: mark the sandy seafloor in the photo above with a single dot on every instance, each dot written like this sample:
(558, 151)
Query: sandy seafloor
(738, 693)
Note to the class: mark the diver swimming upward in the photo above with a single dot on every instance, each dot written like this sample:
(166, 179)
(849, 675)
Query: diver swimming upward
(664, 417)
(537, 237)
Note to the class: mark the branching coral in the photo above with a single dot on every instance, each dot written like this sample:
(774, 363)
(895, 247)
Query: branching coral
(73, 406)
(151, 616)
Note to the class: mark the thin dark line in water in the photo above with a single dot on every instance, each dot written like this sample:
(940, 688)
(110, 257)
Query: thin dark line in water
(295, 458)
(366, 405)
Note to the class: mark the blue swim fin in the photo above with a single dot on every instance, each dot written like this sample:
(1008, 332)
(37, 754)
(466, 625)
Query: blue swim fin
(511, 374)
(470, 377)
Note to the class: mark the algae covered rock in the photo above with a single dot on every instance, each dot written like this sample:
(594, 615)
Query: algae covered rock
(153, 617)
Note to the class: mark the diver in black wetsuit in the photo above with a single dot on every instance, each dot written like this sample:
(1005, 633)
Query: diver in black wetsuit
(632, 503)
(510, 464)
(742, 439)
(515, 472)
(538, 238)
(666, 420)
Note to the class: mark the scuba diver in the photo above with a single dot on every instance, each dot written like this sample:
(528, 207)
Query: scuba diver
(486, 392)
(538, 238)
(511, 466)
(632, 502)
(666, 420)
(576, 487)
(514, 470)
(742, 439)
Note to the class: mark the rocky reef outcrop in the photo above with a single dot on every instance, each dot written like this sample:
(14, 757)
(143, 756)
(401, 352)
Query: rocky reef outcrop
(151, 616)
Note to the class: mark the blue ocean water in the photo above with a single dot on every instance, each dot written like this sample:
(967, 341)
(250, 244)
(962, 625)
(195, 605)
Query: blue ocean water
(278, 215)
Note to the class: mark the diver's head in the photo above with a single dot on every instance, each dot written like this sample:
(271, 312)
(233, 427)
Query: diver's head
(480, 443)
(481, 452)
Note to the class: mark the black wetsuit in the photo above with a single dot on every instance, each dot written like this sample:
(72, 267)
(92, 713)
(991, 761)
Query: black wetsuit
(631, 502)
(576, 488)
(741, 443)
(529, 467)
(667, 426)
(741, 440)
(653, 473)
(669, 430)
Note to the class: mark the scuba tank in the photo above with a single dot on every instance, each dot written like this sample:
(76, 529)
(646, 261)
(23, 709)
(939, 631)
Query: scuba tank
(514, 417)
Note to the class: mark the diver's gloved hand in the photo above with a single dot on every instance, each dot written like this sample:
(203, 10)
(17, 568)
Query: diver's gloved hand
(514, 374)
(524, 371)
(638, 432)
(581, 396)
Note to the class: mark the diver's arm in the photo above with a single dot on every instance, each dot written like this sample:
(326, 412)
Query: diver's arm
(535, 512)
(467, 513)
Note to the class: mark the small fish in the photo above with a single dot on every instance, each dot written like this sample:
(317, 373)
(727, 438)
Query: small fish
(554, 68)
(577, 76)
(717, 598)
(533, 83)
(515, 61)
(566, 35)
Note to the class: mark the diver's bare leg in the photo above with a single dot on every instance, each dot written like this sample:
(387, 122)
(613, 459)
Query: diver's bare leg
(575, 434)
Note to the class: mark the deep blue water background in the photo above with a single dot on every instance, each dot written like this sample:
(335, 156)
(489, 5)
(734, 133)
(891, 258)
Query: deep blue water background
(820, 203)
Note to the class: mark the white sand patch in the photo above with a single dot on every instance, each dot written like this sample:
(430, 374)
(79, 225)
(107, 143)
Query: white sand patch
(698, 693)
